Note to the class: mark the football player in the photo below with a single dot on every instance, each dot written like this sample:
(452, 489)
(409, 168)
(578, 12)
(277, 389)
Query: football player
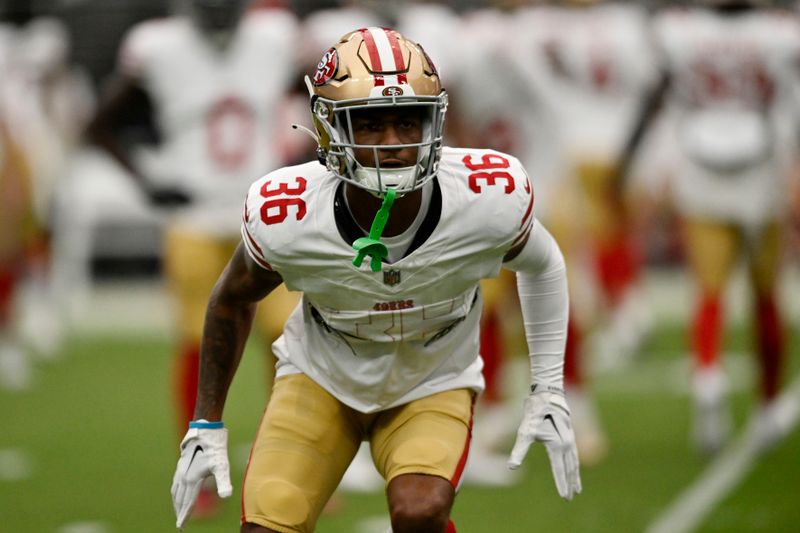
(52, 101)
(16, 236)
(33, 146)
(387, 236)
(578, 70)
(729, 76)
(600, 64)
(213, 81)
(485, 120)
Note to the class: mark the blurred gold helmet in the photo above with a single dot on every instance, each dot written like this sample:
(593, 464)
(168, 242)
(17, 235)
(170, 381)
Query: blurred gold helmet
(376, 68)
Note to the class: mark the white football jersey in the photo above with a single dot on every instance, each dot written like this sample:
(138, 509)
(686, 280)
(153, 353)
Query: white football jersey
(435, 27)
(598, 64)
(379, 339)
(218, 110)
(505, 71)
(733, 88)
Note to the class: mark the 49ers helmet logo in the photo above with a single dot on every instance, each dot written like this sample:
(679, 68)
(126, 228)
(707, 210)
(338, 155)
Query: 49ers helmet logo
(327, 67)
(392, 90)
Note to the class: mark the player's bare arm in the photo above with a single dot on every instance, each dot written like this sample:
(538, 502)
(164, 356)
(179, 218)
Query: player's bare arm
(229, 317)
(204, 449)
(123, 102)
(650, 109)
(127, 103)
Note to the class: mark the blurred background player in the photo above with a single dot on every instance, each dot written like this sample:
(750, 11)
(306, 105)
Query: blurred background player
(16, 234)
(600, 65)
(503, 114)
(44, 103)
(212, 78)
(729, 92)
(54, 101)
(322, 26)
(575, 73)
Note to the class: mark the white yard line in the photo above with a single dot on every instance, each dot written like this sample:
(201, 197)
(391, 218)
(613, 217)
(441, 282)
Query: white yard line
(15, 464)
(694, 504)
(84, 527)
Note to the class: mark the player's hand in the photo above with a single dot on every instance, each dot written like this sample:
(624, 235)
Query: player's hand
(168, 196)
(204, 452)
(546, 420)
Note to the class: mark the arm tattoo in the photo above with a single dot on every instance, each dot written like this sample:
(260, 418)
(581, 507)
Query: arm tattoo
(228, 320)
(225, 333)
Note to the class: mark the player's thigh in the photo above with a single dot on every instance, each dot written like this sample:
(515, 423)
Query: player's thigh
(566, 221)
(765, 256)
(711, 250)
(427, 436)
(603, 218)
(304, 444)
(193, 263)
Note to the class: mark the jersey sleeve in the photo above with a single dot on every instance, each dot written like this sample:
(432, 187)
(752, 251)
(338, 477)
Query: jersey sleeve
(499, 196)
(250, 221)
(525, 207)
(275, 213)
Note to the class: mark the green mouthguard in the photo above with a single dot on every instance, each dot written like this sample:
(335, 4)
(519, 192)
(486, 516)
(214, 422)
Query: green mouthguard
(372, 246)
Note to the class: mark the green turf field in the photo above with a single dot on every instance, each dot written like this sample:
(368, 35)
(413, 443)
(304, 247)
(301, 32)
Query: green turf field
(99, 446)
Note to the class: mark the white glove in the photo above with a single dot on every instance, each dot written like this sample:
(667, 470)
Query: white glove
(546, 420)
(204, 452)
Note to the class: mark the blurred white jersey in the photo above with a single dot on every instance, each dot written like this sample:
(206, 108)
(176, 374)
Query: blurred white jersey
(732, 108)
(218, 109)
(435, 27)
(505, 77)
(598, 64)
(323, 28)
(7, 54)
(494, 98)
(379, 339)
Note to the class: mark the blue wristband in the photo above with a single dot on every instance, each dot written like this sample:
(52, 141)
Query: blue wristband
(203, 424)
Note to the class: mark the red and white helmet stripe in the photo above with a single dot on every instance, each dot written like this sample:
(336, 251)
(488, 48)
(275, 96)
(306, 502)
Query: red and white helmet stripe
(385, 55)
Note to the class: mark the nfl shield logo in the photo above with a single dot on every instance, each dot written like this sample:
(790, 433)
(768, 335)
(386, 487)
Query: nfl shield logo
(391, 277)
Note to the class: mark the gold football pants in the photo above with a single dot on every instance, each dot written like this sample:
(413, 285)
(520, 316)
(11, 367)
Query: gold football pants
(307, 439)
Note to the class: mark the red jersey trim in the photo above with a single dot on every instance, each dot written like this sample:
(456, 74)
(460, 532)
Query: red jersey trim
(523, 234)
(254, 249)
(527, 212)
(462, 462)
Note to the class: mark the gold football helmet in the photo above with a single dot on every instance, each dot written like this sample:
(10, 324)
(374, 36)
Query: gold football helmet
(376, 67)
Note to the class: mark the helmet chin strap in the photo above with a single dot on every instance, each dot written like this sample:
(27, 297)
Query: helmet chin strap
(372, 245)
